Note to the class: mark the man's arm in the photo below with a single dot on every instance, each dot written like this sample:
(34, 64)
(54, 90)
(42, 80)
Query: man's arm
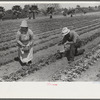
(64, 40)
(75, 36)
(68, 43)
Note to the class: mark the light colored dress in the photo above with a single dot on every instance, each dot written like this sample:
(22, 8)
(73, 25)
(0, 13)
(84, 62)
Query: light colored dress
(25, 39)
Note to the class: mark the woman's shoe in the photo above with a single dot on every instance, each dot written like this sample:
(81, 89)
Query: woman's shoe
(22, 64)
(80, 52)
(29, 63)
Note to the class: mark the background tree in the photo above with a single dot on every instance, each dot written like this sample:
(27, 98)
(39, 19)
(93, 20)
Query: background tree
(50, 11)
(56, 6)
(33, 9)
(16, 11)
(71, 12)
(8, 14)
(46, 7)
(80, 9)
(65, 10)
(44, 12)
(26, 10)
(83, 10)
(2, 12)
(78, 6)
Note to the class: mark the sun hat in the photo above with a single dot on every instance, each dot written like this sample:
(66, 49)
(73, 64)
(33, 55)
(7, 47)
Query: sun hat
(24, 24)
(65, 31)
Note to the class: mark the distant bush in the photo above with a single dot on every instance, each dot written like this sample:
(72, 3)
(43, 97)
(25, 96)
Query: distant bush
(8, 14)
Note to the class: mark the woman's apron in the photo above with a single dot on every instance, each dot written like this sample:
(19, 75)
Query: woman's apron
(25, 57)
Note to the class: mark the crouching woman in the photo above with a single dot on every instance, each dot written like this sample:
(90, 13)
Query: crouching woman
(25, 44)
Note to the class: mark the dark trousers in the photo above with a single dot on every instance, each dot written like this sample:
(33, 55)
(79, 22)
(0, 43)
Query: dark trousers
(73, 51)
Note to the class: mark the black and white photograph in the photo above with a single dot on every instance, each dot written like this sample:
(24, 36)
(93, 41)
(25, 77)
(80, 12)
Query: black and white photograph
(50, 42)
(50, 49)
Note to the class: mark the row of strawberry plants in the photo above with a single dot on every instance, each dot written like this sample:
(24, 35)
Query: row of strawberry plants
(77, 67)
(32, 28)
(7, 37)
(12, 38)
(35, 50)
(61, 23)
(28, 70)
(51, 44)
(6, 46)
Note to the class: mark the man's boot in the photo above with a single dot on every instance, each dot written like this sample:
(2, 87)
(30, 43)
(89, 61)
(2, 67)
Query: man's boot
(80, 52)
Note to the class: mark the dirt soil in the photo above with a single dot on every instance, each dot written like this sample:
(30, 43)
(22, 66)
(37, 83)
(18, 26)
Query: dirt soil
(46, 72)
(92, 74)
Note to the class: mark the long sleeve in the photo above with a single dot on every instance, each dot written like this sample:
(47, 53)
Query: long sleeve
(18, 39)
(65, 39)
(32, 37)
(76, 36)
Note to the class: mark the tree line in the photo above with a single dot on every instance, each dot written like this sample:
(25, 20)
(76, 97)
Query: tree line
(31, 11)
(28, 11)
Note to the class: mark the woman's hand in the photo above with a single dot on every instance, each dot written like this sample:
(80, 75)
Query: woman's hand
(68, 43)
(25, 48)
(23, 45)
(30, 43)
(20, 43)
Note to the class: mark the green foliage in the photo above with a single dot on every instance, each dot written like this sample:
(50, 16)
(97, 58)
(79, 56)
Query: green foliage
(2, 10)
(50, 10)
(16, 11)
(33, 10)
(16, 8)
(8, 14)
(72, 11)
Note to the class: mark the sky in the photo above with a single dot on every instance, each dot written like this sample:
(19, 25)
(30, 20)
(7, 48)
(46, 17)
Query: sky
(8, 5)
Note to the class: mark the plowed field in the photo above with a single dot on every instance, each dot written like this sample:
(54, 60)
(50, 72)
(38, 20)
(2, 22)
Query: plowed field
(47, 65)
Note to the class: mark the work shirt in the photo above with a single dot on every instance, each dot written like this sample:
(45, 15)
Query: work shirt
(74, 37)
(25, 38)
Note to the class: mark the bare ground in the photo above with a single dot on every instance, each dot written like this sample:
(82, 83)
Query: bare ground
(92, 74)
(46, 73)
